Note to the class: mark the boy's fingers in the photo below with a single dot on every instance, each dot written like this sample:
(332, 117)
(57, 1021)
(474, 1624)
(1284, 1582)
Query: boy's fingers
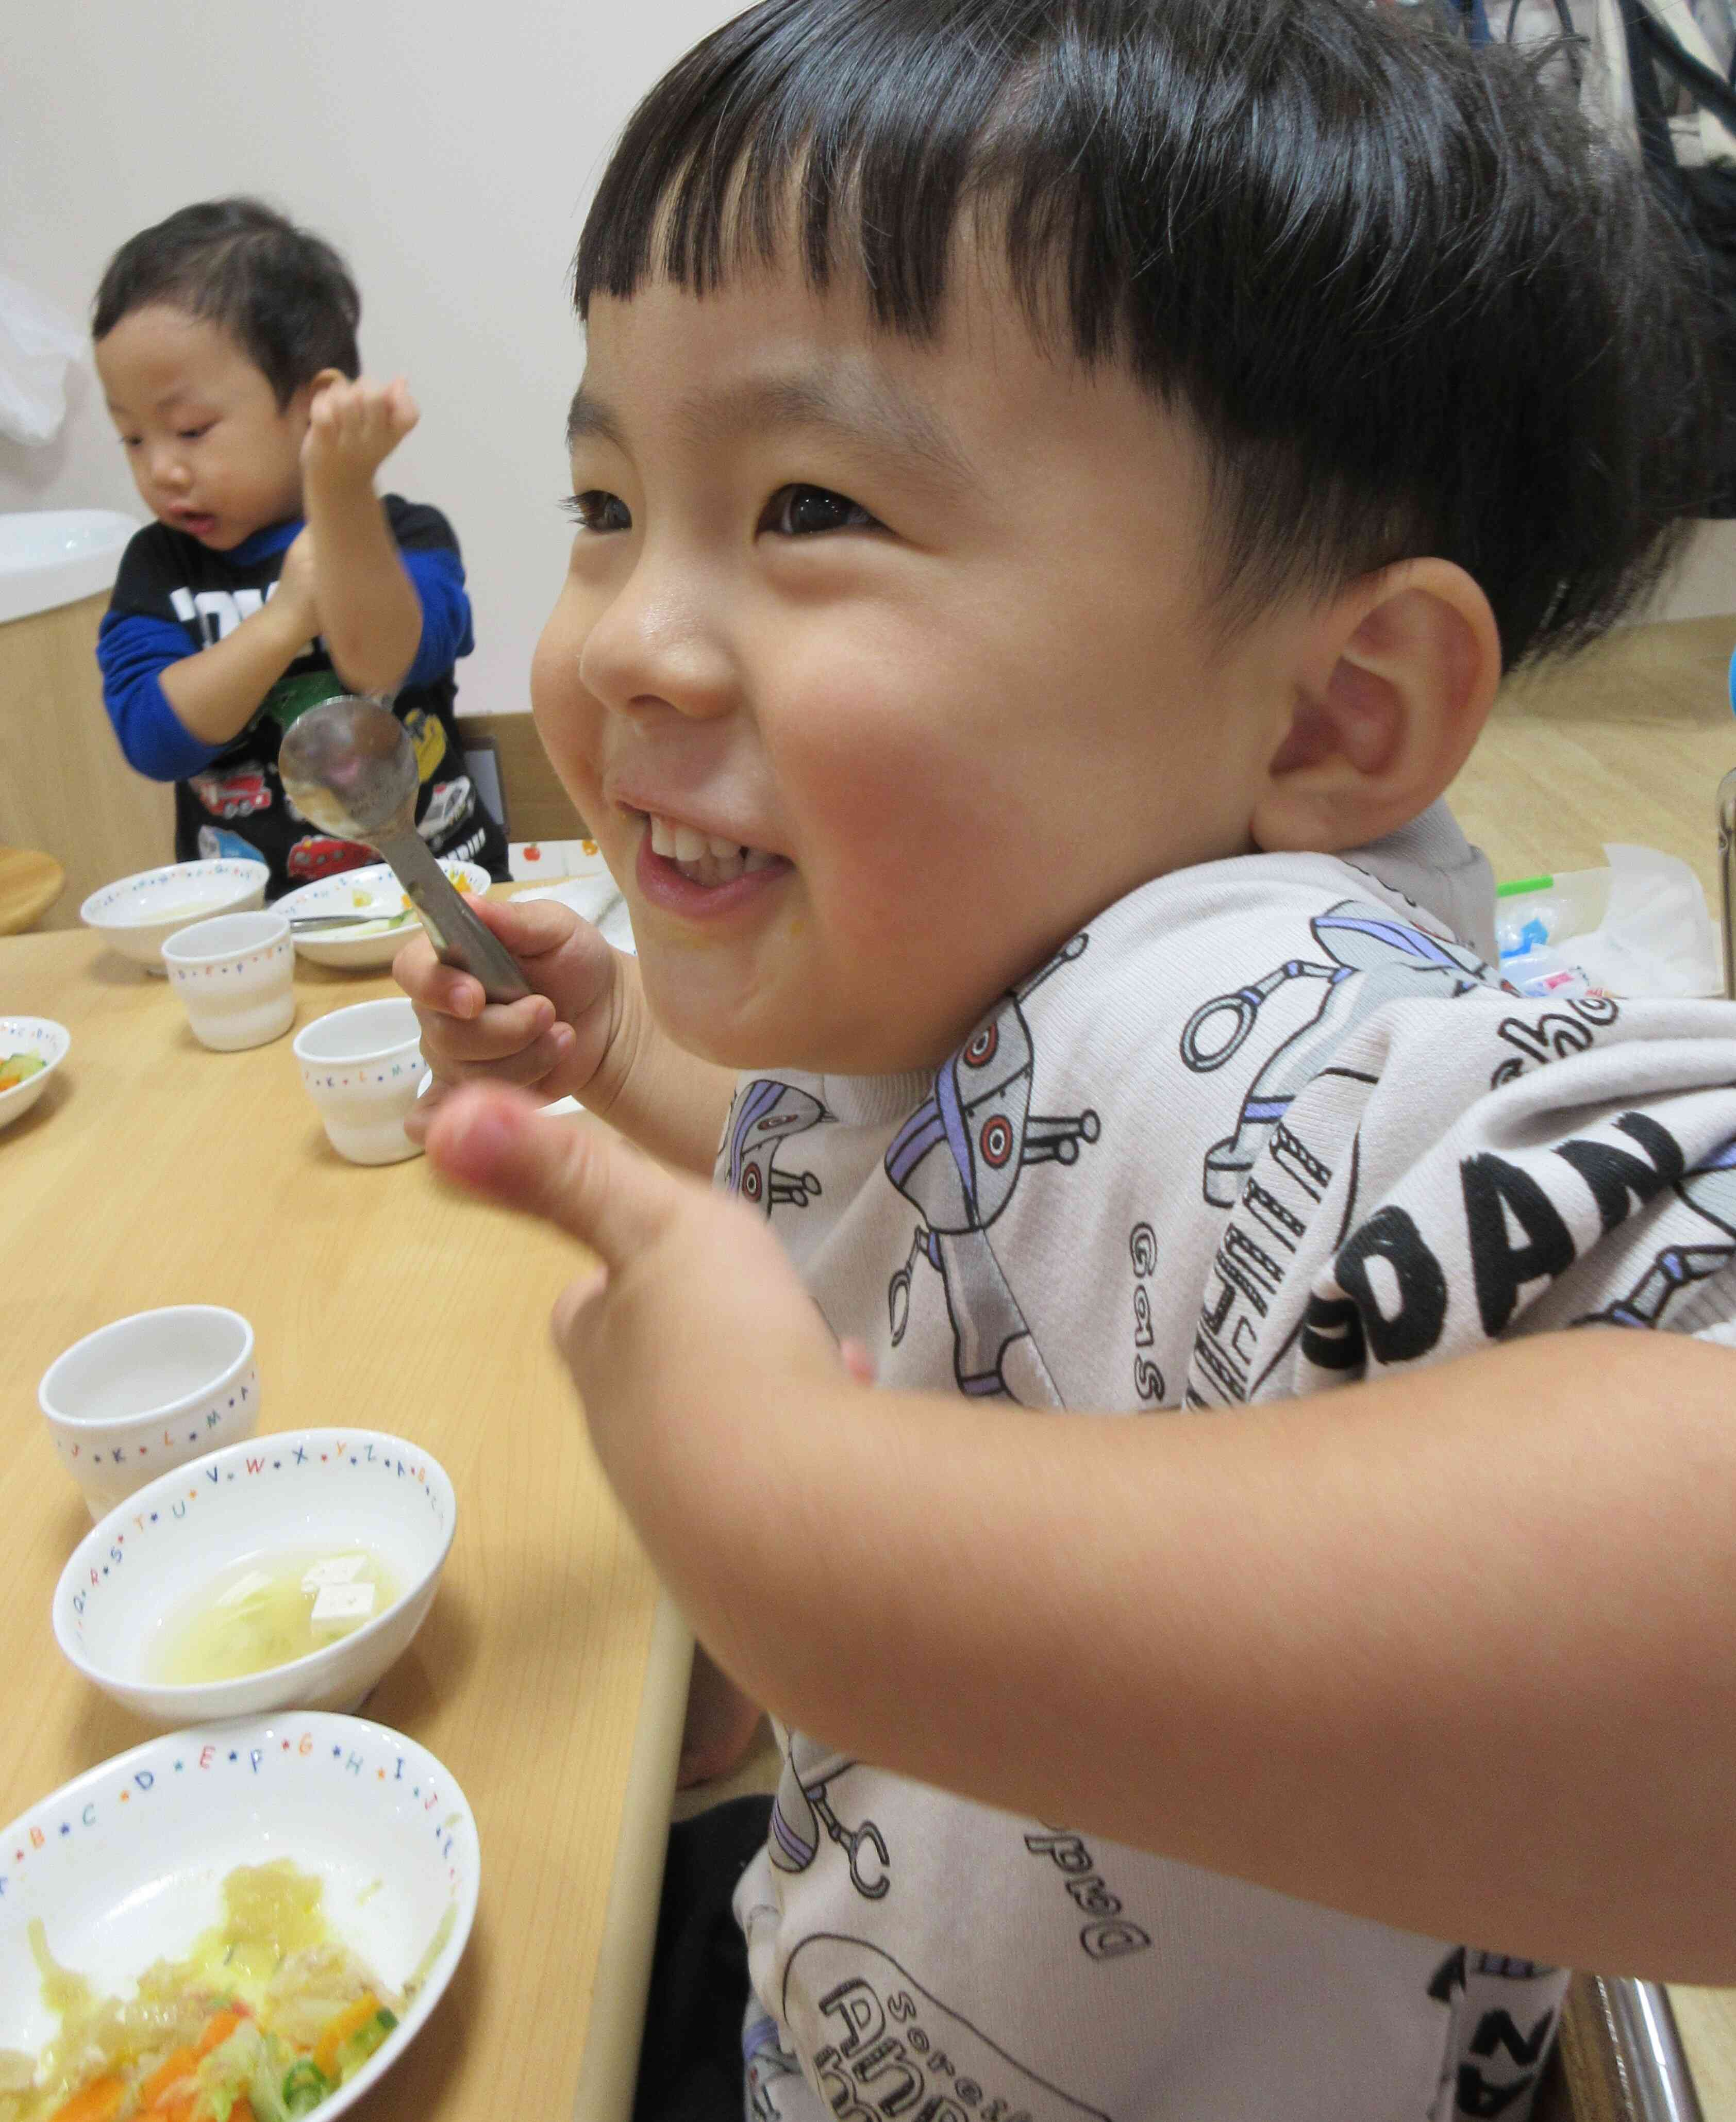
(583, 1180)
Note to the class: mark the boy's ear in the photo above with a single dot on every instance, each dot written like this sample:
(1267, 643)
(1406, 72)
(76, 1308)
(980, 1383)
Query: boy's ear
(1397, 675)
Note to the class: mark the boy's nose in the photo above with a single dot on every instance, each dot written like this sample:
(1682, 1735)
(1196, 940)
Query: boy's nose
(658, 643)
(168, 469)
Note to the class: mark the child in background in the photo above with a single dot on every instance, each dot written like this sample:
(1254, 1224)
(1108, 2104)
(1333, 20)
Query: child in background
(1058, 482)
(273, 577)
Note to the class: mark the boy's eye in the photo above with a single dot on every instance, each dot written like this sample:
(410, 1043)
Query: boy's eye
(595, 509)
(803, 512)
(193, 434)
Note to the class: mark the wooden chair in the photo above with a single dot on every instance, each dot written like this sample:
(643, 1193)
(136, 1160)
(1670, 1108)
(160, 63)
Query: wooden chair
(29, 884)
(538, 807)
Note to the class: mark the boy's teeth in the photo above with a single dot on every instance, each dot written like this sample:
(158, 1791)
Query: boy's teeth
(702, 857)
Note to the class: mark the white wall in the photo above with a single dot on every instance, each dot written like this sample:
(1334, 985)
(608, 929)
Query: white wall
(449, 150)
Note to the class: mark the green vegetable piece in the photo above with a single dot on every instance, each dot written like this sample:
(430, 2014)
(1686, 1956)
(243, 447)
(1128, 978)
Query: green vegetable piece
(305, 2086)
(388, 2019)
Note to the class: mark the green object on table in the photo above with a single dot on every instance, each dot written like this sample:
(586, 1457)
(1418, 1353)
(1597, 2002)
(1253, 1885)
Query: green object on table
(1523, 883)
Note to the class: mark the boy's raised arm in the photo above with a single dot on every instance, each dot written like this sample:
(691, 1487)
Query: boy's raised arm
(1450, 1651)
(370, 614)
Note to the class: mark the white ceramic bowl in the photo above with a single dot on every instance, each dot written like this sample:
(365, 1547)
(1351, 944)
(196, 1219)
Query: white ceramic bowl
(125, 1865)
(236, 979)
(147, 1393)
(358, 891)
(48, 1041)
(137, 915)
(362, 1066)
(274, 1497)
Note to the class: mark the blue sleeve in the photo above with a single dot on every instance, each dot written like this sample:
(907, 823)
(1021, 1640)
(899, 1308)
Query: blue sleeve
(438, 575)
(133, 652)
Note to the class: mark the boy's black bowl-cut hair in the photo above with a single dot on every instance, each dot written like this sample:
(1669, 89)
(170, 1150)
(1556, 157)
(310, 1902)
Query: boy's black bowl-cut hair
(1411, 301)
(284, 295)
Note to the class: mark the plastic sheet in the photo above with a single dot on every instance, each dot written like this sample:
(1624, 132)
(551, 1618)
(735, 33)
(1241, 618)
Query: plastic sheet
(38, 343)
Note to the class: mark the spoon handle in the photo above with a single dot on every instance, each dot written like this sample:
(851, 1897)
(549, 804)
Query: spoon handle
(458, 936)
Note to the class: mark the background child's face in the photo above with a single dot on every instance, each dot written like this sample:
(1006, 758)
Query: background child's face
(920, 628)
(211, 451)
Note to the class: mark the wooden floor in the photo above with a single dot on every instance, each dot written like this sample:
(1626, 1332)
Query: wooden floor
(1626, 742)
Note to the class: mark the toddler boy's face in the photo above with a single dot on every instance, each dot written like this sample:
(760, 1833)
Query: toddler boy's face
(210, 450)
(879, 668)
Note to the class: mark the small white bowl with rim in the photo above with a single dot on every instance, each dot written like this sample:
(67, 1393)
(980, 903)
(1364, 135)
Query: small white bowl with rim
(149, 1392)
(363, 1069)
(40, 1039)
(236, 979)
(144, 1567)
(123, 1866)
(136, 915)
(370, 944)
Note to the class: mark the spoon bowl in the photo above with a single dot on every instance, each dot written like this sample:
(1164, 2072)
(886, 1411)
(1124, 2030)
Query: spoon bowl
(348, 765)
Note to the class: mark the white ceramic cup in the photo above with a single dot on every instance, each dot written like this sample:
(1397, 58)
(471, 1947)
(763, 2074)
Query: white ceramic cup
(363, 1069)
(148, 1393)
(236, 978)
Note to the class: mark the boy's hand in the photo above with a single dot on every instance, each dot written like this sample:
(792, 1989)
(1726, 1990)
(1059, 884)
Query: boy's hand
(353, 428)
(553, 1041)
(294, 599)
(691, 1283)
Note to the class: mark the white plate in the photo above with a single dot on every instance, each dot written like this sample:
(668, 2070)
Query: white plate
(39, 1035)
(125, 1864)
(591, 891)
(379, 887)
(257, 1501)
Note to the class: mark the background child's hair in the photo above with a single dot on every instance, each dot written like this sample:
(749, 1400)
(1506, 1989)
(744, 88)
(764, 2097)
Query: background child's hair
(1414, 304)
(284, 296)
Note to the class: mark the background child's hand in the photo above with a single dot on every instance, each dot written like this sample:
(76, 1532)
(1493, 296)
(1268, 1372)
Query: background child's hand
(294, 598)
(353, 428)
(553, 1041)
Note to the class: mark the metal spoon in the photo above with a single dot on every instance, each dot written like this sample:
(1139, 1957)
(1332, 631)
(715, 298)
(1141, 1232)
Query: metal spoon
(348, 765)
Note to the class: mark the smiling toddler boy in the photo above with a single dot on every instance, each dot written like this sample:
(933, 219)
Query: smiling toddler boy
(1058, 482)
(273, 577)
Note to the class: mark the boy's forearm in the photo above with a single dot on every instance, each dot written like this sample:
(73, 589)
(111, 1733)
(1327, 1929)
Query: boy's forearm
(370, 614)
(1452, 1651)
(216, 691)
(667, 1100)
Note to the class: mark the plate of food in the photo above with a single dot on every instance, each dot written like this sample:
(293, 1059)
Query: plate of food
(371, 917)
(31, 1047)
(246, 1919)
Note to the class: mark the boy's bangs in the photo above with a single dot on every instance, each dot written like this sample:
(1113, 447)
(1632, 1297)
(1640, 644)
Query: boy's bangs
(861, 147)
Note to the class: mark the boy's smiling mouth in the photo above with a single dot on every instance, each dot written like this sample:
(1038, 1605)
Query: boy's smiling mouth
(703, 858)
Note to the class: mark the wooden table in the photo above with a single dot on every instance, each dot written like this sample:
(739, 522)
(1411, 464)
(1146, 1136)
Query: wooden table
(548, 1677)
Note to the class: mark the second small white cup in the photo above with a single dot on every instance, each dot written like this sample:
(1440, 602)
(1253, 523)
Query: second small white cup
(235, 977)
(363, 1069)
(149, 1393)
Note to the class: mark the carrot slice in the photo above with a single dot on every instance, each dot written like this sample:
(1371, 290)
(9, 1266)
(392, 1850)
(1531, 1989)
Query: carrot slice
(99, 2102)
(350, 2020)
(182, 2064)
(218, 2027)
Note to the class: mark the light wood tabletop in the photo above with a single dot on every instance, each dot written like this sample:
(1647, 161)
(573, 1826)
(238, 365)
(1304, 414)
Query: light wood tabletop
(548, 1678)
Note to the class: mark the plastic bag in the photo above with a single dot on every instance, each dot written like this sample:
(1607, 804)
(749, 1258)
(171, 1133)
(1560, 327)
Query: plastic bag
(1639, 927)
(38, 341)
